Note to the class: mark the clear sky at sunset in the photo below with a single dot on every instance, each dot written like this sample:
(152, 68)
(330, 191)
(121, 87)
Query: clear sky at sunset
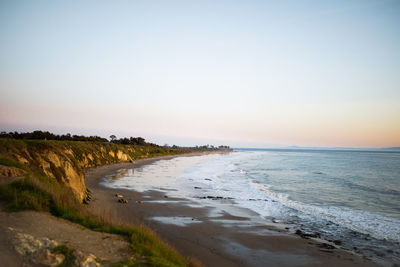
(241, 73)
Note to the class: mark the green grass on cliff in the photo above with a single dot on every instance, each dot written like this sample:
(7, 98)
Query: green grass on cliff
(10, 163)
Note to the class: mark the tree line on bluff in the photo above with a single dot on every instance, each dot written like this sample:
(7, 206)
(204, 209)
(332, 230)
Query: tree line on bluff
(45, 135)
(140, 141)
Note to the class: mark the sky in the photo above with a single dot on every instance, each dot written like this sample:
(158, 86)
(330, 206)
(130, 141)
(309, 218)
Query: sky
(238, 73)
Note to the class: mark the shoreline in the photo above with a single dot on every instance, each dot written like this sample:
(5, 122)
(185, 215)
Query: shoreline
(222, 240)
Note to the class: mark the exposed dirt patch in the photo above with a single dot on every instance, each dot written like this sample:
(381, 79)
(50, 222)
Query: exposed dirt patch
(37, 226)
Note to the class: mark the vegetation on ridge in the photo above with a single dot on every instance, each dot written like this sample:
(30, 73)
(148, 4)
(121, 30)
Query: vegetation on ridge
(139, 141)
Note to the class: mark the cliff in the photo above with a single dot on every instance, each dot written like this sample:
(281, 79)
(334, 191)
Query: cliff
(50, 178)
(65, 161)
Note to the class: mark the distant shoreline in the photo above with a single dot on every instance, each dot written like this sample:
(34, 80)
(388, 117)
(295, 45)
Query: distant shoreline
(316, 149)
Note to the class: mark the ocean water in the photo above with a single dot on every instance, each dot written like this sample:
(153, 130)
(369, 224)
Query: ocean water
(351, 196)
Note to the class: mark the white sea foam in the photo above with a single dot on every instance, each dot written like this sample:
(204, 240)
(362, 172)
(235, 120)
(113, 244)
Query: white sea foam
(229, 180)
(374, 224)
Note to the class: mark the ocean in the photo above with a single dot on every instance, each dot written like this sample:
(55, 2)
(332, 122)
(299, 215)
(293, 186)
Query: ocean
(348, 197)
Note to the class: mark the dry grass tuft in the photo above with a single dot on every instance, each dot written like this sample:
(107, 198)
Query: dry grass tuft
(193, 262)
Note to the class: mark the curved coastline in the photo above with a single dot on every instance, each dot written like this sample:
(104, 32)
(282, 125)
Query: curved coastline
(225, 240)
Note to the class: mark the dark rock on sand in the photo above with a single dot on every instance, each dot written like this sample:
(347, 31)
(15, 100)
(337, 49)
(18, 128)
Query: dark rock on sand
(122, 200)
(325, 246)
(337, 242)
(216, 198)
(307, 236)
(327, 251)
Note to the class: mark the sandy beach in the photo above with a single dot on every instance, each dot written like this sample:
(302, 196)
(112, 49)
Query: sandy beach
(214, 236)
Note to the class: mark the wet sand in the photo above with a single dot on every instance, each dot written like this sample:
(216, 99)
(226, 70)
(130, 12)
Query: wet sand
(212, 235)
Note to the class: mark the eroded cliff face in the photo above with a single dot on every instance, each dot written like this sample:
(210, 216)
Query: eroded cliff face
(64, 161)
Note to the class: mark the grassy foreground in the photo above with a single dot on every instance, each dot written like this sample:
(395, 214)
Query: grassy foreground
(36, 191)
